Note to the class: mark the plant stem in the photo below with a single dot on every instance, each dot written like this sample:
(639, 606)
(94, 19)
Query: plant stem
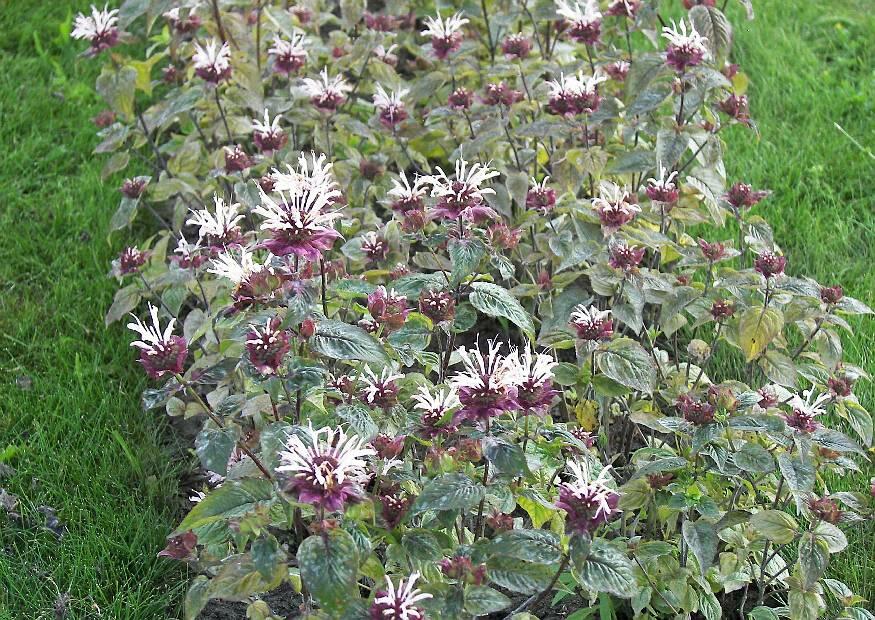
(323, 286)
(217, 15)
(258, 36)
(537, 598)
(222, 114)
(221, 424)
(490, 43)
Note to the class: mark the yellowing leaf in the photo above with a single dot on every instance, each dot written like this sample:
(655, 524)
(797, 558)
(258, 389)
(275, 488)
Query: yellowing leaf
(756, 329)
(586, 414)
(143, 68)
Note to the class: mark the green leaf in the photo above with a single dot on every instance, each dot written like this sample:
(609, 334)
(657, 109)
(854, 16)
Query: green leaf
(234, 499)
(754, 458)
(626, 362)
(329, 566)
(709, 606)
(799, 474)
(214, 446)
(421, 544)
(539, 509)
(465, 255)
(118, 161)
(578, 550)
(670, 145)
(813, 559)
(633, 161)
(779, 368)
(493, 300)
(762, 613)
(701, 538)
(126, 299)
(448, 492)
(412, 285)
(659, 466)
(125, 214)
(832, 536)
(117, 86)
(483, 600)
(539, 546)
(525, 577)
(804, 605)
(197, 597)
(131, 10)
(860, 420)
(757, 328)
(775, 525)
(837, 441)
(340, 340)
(607, 569)
(648, 99)
(712, 24)
(506, 458)
(359, 419)
(266, 555)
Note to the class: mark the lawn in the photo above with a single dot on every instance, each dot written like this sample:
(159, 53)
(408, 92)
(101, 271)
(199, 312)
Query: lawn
(69, 399)
(811, 67)
(70, 421)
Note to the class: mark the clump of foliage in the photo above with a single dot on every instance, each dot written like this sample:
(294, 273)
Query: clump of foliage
(437, 289)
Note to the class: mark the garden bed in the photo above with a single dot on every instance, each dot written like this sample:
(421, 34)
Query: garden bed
(589, 444)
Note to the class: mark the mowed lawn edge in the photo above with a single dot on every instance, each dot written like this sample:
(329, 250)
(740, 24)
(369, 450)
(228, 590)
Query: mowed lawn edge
(71, 424)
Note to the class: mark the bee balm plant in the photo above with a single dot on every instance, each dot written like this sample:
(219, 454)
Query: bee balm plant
(470, 319)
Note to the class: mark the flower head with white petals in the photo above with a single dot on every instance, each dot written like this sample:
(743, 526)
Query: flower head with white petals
(399, 603)
(327, 94)
(301, 220)
(584, 19)
(591, 323)
(326, 470)
(446, 34)
(685, 48)
(588, 501)
(239, 270)
(212, 62)
(663, 188)
(438, 410)
(463, 195)
(805, 409)
(219, 228)
(380, 390)
(571, 95)
(288, 56)
(532, 373)
(161, 352)
(100, 28)
(268, 136)
(267, 345)
(486, 385)
(407, 197)
(188, 255)
(615, 206)
(540, 196)
(390, 105)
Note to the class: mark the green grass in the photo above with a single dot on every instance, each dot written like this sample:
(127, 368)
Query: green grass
(83, 402)
(810, 66)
